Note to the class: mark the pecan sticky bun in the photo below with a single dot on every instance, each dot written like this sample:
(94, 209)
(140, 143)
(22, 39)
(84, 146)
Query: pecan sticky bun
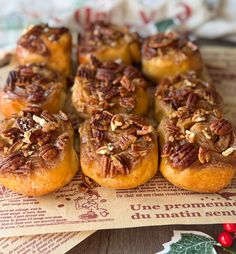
(197, 143)
(169, 54)
(183, 94)
(108, 85)
(32, 84)
(108, 41)
(36, 152)
(49, 45)
(118, 151)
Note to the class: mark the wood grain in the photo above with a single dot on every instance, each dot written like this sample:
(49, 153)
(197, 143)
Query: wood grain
(146, 240)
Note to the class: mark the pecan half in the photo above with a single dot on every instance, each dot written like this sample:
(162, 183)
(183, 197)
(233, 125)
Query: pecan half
(105, 165)
(138, 150)
(191, 101)
(221, 127)
(48, 152)
(120, 165)
(11, 79)
(12, 162)
(126, 140)
(184, 156)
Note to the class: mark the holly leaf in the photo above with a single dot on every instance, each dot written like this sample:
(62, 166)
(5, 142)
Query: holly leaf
(192, 244)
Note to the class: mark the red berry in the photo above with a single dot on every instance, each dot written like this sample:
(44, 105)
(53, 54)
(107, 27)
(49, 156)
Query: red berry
(229, 227)
(225, 239)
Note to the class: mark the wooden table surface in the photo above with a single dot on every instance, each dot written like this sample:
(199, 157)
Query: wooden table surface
(145, 240)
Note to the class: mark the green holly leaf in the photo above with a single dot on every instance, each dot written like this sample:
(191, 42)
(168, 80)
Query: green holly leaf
(193, 244)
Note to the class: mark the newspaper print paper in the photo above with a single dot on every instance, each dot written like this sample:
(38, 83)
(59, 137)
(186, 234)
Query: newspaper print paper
(154, 203)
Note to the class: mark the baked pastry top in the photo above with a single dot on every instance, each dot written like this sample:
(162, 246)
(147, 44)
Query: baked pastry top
(36, 152)
(108, 41)
(44, 44)
(169, 54)
(184, 94)
(121, 146)
(178, 47)
(111, 86)
(31, 139)
(32, 84)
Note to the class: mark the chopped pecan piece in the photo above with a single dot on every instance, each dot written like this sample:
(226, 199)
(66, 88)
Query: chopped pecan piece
(191, 101)
(86, 73)
(131, 72)
(128, 84)
(228, 151)
(44, 139)
(116, 121)
(166, 150)
(184, 156)
(221, 127)
(101, 120)
(172, 128)
(105, 74)
(35, 93)
(190, 136)
(204, 155)
(126, 140)
(35, 135)
(12, 133)
(63, 116)
(145, 130)
(95, 62)
(97, 136)
(61, 141)
(48, 117)
(128, 102)
(123, 91)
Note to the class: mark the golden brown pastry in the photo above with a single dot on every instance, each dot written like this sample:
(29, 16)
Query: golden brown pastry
(118, 151)
(169, 54)
(185, 92)
(36, 152)
(48, 45)
(197, 144)
(200, 158)
(32, 84)
(108, 41)
(111, 86)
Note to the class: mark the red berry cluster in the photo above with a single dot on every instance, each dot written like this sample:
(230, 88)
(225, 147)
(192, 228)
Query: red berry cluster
(226, 238)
